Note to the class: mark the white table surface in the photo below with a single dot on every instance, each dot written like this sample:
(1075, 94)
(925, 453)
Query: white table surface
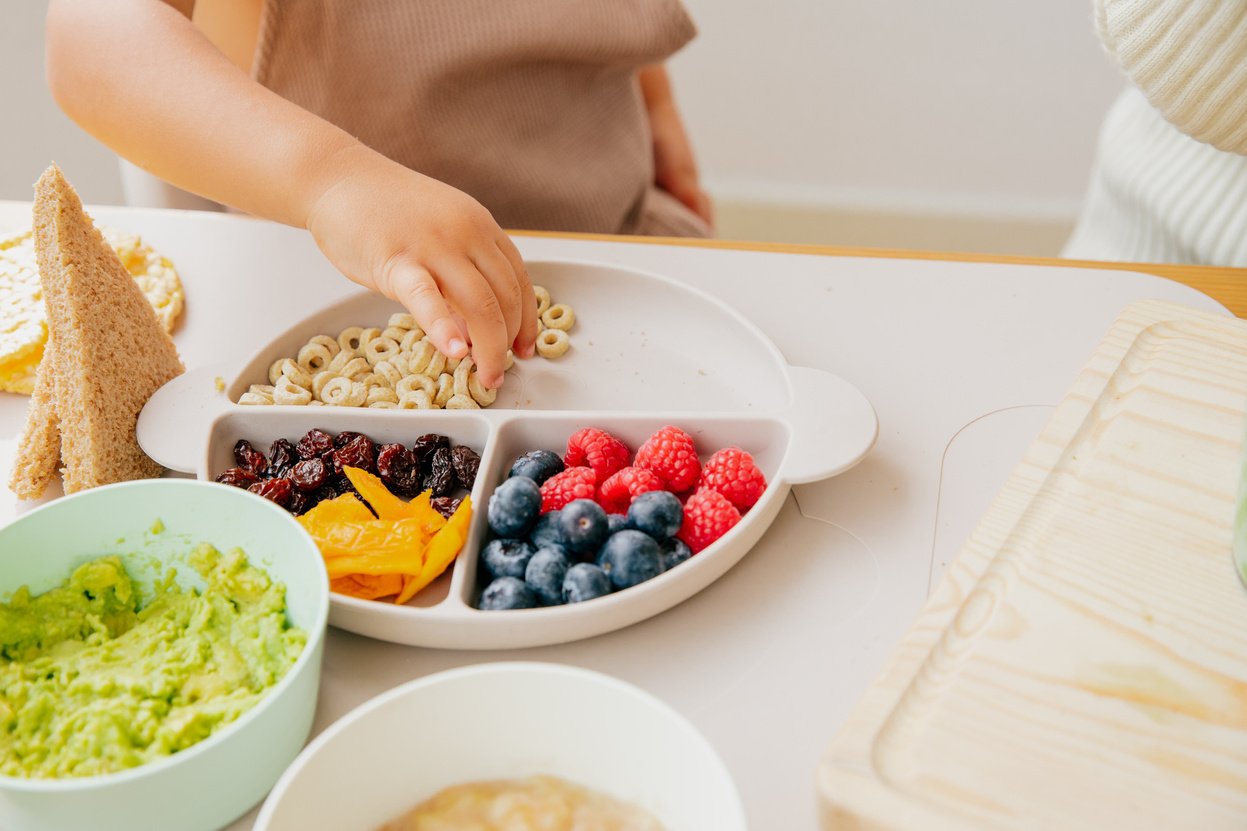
(962, 362)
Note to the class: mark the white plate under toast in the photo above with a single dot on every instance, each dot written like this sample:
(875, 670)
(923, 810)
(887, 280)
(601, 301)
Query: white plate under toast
(646, 352)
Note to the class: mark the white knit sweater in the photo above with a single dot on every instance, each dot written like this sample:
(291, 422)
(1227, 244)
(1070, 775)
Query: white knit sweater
(1170, 182)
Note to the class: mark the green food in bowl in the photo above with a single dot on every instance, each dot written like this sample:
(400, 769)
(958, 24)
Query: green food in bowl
(96, 678)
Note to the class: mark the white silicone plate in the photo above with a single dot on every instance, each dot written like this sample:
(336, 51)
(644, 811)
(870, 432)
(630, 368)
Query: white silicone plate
(646, 352)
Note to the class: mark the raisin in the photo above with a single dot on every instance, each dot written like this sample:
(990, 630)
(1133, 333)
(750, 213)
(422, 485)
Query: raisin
(274, 490)
(324, 492)
(441, 476)
(300, 502)
(281, 457)
(466, 463)
(314, 443)
(358, 452)
(445, 506)
(250, 459)
(237, 477)
(344, 438)
(396, 465)
(424, 448)
(309, 474)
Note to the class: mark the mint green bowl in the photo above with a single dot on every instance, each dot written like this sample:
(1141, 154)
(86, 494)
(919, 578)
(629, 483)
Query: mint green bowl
(214, 782)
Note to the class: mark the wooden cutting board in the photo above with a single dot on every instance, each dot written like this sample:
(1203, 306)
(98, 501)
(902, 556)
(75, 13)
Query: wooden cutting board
(1083, 663)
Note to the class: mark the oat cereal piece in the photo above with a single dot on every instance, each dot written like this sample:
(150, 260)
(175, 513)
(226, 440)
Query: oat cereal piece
(445, 389)
(355, 366)
(343, 392)
(559, 316)
(315, 357)
(376, 394)
(320, 379)
(451, 364)
(253, 398)
(389, 372)
(348, 338)
(401, 320)
(261, 389)
(510, 361)
(415, 400)
(274, 371)
(480, 394)
(383, 405)
(394, 333)
(409, 341)
(287, 392)
(462, 373)
(553, 343)
(344, 357)
(543, 299)
(379, 349)
(418, 359)
(329, 342)
(415, 382)
(297, 374)
(315, 403)
(366, 336)
(219, 383)
(462, 402)
(437, 365)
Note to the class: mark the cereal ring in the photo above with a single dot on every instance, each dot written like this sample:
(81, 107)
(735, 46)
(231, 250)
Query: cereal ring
(541, 327)
(480, 394)
(274, 370)
(299, 376)
(320, 379)
(418, 359)
(445, 389)
(380, 348)
(348, 338)
(366, 336)
(316, 356)
(415, 382)
(553, 343)
(401, 320)
(372, 379)
(253, 398)
(315, 403)
(261, 389)
(559, 316)
(343, 392)
(287, 392)
(462, 373)
(510, 361)
(543, 299)
(437, 365)
(409, 341)
(395, 333)
(383, 405)
(415, 400)
(376, 394)
(451, 364)
(329, 343)
(344, 357)
(355, 366)
(388, 371)
(462, 402)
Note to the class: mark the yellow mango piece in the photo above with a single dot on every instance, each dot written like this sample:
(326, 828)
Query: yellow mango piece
(376, 494)
(441, 552)
(367, 587)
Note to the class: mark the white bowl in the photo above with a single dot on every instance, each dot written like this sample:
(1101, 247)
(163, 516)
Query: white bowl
(502, 721)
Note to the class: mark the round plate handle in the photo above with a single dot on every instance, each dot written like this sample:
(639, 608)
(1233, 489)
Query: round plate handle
(833, 426)
(175, 420)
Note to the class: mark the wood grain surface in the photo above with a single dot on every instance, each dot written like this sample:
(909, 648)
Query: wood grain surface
(1083, 663)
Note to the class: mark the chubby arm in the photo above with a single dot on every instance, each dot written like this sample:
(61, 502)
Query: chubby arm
(1189, 58)
(675, 168)
(138, 76)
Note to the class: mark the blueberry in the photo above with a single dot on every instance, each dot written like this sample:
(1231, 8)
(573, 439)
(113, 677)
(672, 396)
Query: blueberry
(615, 522)
(585, 581)
(584, 527)
(672, 552)
(630, 557)
(507, 593)
(657, 513)
(538, 465)
(547, 531)
(514, 507)
(506, 558)
(545, 574)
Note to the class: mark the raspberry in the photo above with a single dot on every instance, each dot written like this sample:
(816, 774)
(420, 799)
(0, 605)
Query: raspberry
(707, 516)
(732, 473)
(672, 455)
(599, 450)
(617, 492)
(561, 488)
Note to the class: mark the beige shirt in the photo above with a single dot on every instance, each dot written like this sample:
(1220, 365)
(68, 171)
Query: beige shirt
(530, 106)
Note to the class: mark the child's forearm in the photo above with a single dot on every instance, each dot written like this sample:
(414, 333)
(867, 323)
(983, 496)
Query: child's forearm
(138, 76)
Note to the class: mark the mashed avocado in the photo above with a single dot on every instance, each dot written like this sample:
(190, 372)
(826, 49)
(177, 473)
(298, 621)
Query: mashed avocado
(95, 679)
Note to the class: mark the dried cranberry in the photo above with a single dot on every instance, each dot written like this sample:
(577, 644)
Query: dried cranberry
(237, 477)
(299, 503)
(441, 476)
(250, 459)
(424, 448)
(345, 437)
(281, 457)
(314, 443)
(275, 490)
(466, 463)
(309, 474)
(396, 465)
(445, 506)
(358, 452)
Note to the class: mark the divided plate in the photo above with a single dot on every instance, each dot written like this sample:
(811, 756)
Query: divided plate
(646, 352)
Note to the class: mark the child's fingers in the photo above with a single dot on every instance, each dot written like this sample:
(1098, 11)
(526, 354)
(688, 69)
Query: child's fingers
(415, 288)
(523, 344)
(498, 272)
(473, 296)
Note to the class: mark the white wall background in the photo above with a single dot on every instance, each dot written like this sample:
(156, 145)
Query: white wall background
(970, 119)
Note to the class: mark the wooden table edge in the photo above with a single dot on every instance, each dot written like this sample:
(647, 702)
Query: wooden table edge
(1228, 286)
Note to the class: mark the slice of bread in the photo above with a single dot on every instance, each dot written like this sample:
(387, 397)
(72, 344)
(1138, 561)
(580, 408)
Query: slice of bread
(106, 354)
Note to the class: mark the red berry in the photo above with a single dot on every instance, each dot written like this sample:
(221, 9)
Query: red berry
(573, 483)
(599, 450)
(707, 516)
(617, 492)
(732, 473)
(671, 454)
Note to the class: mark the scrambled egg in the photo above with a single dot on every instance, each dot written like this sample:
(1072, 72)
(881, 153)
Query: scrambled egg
(23, 320)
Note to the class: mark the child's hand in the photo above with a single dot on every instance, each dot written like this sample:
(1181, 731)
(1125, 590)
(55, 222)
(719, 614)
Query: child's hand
(432, 248)
(675, 169)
